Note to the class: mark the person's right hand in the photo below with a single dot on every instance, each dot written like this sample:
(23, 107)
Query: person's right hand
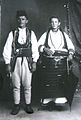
(8, 68)
(48, 51)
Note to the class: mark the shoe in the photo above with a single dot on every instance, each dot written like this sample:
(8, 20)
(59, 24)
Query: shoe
(51, 106)
(29, 109)
(15, 109)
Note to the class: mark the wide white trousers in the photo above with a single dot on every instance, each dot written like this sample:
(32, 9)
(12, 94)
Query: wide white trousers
(22, 75)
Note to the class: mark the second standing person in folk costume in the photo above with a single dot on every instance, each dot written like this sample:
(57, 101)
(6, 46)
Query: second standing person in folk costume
(53, 41)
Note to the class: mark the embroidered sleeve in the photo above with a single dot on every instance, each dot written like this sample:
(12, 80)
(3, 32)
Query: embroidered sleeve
(41, 42)
(8, 49)
(35, 53)
(70, 45)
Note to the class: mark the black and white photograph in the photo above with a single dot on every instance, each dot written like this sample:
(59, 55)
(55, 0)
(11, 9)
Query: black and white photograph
(40, 59)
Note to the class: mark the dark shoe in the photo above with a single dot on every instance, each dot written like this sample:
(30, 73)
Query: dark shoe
(29, 109)
(51, 106)
(15, 109)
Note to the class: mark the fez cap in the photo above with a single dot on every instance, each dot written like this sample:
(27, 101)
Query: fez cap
(21, 13)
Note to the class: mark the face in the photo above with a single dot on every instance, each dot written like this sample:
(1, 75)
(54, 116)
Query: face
(55, 23)
(22, 21)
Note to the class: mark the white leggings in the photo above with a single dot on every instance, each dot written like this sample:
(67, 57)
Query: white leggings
(21, 74)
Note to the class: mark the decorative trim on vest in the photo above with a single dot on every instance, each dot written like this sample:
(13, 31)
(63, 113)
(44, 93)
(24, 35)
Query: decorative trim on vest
(25, 48)
(16, 45)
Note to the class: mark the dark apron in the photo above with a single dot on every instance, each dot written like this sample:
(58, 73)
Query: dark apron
(53, 74)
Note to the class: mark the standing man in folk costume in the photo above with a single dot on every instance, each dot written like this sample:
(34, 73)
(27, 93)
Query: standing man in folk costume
(52, 45)
(21, 46)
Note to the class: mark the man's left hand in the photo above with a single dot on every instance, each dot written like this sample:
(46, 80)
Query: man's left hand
(70, 57)
(33, 67)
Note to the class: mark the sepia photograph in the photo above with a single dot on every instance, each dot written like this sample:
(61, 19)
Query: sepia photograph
(40, 59)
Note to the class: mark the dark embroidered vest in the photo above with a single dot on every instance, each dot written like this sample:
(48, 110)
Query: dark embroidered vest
(16, 45)
(25, 50)
(46, 41)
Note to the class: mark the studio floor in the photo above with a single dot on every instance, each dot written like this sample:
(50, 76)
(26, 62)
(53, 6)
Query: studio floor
(65, 114)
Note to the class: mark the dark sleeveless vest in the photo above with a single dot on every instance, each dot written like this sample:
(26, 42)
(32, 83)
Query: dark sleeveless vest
(26, 48)
(46, 41)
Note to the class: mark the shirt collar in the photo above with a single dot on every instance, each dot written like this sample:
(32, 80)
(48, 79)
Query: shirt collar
(21, 29)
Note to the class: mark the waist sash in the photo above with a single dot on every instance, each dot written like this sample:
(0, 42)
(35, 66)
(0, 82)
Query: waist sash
(23, 52)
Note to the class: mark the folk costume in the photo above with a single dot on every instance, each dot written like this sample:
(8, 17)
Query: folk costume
(54, 67)
(21, 52)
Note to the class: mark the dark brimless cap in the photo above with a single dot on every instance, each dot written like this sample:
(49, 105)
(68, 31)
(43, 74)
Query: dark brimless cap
(21, 13)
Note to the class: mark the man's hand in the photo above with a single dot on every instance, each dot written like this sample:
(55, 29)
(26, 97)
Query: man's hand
(70, 57)
(8, 68)
(33, 67)
(48, 51)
